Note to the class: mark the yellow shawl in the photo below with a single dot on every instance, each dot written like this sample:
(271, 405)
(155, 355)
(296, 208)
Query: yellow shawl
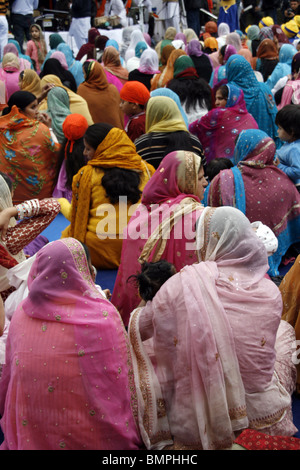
(115, 151)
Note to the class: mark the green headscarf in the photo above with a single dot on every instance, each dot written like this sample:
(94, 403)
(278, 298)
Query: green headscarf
(58, 109)
(184, 66)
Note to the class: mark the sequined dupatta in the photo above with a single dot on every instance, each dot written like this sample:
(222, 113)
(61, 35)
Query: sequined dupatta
(85, 377)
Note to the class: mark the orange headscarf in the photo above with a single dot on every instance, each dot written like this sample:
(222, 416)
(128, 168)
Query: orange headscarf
(115, 151)
(212, 43)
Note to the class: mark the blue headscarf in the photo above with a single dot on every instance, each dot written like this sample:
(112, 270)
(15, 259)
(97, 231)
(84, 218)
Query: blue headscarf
(115, 44)
(284, 66)
(112, 42)
(140, 48)
(74, 66)
(171, 94)
(258, 97)
(246, 143)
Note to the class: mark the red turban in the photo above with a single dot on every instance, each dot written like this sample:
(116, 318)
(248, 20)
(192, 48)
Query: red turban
(74, 127)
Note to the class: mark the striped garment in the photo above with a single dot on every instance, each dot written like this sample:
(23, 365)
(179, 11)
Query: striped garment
(155, 146)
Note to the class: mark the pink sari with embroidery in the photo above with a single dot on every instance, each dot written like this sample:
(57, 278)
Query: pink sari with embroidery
(68, 381)
(218, 129)
(162, 227)
(210, 353)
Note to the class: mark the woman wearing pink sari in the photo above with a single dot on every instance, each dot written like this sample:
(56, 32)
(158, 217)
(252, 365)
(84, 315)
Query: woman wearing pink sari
(67, 383)
(222, 362)
(163, 226)
(218, 129)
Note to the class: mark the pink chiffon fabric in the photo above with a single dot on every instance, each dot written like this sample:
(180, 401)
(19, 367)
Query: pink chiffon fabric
(166, 193)
(68, 381)
(211, 345)
(11, 80)
(113, 80)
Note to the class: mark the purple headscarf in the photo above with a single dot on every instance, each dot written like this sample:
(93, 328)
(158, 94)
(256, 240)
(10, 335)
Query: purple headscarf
(194, 47)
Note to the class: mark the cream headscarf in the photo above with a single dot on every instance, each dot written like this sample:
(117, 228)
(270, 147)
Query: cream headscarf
(10, 61)
(163, 115)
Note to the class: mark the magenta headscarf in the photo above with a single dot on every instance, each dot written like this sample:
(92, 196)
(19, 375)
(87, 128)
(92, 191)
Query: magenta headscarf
(218, 129)
(165, 187)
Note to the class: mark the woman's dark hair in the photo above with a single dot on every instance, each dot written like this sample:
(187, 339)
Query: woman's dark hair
(288, 118)
(116, 181)
(96, 133)
(21, 99)
(192, 91)
(52, 66)
(216, 165)
(223, 50)
(121, 182)
(224, 91)
(86, 66)
(86, 251)
(7, 180)
(74, 161)
(152, 277)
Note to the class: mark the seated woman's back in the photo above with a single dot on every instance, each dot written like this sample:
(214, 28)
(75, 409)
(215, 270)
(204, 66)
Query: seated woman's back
(166, 131)
(27, 154)
(104, 191)
(103, 98)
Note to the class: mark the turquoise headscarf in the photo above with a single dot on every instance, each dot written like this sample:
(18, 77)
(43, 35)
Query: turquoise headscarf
(112, 42)
(284, 66)
(140, 48)
(58, 108)
(246, 143)
(258, 97)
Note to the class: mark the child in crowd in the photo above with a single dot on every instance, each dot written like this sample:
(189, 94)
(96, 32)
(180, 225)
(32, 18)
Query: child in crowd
(152, 277)
(287, 157)
(36, 47)
(134, 97)
(216, 165)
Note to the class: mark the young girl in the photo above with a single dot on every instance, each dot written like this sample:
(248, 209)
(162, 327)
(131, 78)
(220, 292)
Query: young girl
(221, 97)
(36, 47)
(287, 158)
(151, 278)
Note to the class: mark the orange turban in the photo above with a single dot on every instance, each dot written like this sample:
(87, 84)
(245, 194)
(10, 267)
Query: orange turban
(135, 92)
